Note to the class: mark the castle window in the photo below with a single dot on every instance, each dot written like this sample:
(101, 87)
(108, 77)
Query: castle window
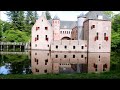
(73, 47)
(99, 47)
(35, 45)
(65, 47)
(81, 56)
(48, 45)
(55, 21)
(46, 28)
(35, 53)
(45, 70)
(69, 32)
(60, 31)
(105, 37)
(93, 26)
(36, 70)
(96, 38)
(82, 47)
(37, 37)
(57, 46)
(46, 38)
(73, 56)
(99, 56)
(56, 56)
(37, 28)
(46, 61)
(63, 31)
(65, 56)
(42, 20)
(35, 60)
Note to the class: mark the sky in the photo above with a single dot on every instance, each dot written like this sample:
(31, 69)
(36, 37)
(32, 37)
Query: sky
(63, 15)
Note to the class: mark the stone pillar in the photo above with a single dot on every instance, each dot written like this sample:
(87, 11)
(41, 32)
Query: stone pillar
(13, 47)
(1, 47)
(7, 47)
(20, 47)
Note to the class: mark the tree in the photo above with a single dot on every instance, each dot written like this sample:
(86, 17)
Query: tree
(30, 20)
(48, 16)
(17, 19)
(35, 15)
(116, 23)
(15, 36)
(109, 13)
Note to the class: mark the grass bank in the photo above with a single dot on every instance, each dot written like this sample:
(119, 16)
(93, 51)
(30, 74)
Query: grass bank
(105, 75)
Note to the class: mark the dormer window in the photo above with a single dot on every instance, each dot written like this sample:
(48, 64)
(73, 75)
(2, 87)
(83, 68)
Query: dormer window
(99, 16)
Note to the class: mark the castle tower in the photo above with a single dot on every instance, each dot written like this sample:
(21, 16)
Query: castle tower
(56, 28)
(80, 19)
(97, 32)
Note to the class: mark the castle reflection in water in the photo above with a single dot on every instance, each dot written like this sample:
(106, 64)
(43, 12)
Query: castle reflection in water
(43, 62)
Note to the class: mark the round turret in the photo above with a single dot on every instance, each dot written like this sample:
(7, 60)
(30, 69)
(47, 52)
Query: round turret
(81, 18)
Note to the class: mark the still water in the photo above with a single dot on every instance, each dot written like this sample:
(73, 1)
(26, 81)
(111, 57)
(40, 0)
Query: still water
(43, 62)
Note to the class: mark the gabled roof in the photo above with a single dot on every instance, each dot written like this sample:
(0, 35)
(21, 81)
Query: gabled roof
(94, 15)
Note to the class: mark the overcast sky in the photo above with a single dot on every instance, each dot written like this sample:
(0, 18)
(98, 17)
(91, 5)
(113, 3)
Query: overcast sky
(63, 15)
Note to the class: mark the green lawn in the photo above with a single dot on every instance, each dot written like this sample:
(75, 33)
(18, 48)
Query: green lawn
(105, 75)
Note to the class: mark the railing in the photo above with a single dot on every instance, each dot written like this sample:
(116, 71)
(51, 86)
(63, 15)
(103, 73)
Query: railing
(12, 43)
(14, 53)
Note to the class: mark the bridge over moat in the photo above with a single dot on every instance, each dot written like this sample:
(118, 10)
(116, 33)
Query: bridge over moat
(14, 45)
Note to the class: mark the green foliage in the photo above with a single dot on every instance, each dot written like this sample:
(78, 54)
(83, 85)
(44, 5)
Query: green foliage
(15, 36)
(18, 63)
(48, 16)
(109, 13)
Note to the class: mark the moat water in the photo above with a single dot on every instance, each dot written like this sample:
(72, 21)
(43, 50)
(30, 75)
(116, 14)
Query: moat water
(44, 62)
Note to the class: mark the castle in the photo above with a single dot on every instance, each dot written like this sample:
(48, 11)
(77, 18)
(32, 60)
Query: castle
(90, 33)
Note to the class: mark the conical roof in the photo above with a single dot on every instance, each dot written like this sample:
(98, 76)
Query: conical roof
(56, 17)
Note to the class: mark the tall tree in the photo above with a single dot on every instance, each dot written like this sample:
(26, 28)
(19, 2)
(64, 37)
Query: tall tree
(30, 20)
(17, 19)
(35, 15)
(48, 16)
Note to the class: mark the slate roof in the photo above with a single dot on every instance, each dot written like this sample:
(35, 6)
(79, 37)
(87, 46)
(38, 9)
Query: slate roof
(71, 24)
(66, 24)
(94, 15)
(56, 17)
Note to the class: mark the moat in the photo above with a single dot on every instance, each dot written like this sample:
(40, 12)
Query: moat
(44, 62)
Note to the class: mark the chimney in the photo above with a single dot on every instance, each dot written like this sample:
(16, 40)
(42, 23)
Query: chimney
(43, 14)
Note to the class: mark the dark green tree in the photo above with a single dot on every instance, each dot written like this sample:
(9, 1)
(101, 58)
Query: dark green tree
(17, 18)
(30, 21)
(48, 16)
(35, 15)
